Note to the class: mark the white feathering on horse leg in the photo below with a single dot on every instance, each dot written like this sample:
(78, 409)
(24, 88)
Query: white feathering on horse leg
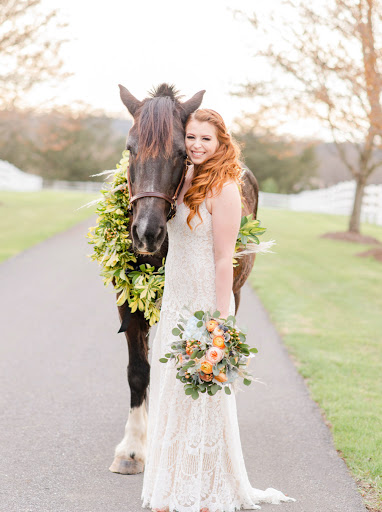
(251, 248)
(133, 446)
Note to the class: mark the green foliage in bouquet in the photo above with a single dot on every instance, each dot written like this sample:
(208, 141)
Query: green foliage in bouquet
(142, 287)
(210, 354)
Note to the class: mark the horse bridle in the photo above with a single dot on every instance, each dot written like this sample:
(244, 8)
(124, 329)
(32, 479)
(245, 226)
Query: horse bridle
(172, 200)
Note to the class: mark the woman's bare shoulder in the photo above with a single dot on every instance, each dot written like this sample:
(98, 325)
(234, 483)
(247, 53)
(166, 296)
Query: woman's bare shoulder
(230, 187)
(229, 193)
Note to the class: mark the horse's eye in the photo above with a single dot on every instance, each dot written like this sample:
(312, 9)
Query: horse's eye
(130, 148)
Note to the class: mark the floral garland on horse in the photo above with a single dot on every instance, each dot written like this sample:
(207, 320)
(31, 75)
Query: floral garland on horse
(141, 287)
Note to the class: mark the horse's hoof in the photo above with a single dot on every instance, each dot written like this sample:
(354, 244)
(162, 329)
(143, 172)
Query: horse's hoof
(127, 466)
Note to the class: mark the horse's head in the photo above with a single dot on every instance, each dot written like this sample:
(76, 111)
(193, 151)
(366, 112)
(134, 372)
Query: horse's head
(157, 154)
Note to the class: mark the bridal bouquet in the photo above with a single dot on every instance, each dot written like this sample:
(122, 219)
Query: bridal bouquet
(210, 354)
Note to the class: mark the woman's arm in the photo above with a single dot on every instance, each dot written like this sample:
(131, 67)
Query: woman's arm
(226, 216)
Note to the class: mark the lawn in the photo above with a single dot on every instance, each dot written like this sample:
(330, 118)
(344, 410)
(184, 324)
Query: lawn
(327, 305)
(29, 217)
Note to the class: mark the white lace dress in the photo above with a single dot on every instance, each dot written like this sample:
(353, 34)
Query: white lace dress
(194, 455)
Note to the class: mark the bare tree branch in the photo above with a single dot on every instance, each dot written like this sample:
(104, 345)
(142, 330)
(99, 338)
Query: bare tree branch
(332, 52)
(29, 48)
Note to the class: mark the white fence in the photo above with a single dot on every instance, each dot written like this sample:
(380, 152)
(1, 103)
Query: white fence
(81, 186)
(337, 200)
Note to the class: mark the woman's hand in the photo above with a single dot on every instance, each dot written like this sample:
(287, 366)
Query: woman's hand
(226, 216)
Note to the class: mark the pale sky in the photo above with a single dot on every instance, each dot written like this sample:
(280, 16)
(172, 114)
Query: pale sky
(141, 43)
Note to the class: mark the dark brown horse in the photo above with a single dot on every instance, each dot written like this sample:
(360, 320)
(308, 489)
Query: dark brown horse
(157, 158)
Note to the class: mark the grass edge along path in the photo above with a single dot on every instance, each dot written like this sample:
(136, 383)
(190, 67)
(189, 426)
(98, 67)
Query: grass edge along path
(326, 304)
(28, 218)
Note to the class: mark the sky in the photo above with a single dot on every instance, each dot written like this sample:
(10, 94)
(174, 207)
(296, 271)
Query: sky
(195, 45)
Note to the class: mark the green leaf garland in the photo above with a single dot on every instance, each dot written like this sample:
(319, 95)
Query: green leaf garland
(141, 288)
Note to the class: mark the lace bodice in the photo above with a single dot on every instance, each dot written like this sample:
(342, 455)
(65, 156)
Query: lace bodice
(194, 456)
(190, 264)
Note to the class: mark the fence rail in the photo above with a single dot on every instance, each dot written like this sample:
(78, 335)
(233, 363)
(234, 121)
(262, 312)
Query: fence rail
(81, 186)
(337, 200)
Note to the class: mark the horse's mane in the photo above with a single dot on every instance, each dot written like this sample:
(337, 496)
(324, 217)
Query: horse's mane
(155, 122)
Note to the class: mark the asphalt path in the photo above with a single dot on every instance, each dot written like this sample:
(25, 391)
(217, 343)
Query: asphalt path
(64, 398)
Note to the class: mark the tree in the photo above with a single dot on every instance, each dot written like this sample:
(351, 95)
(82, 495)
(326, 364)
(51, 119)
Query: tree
(29, 48)
(72, 146)
(61, 144)
(280, 165)
(330, 57)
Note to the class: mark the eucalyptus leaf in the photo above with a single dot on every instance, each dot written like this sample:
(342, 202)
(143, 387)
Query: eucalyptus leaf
(215, 370)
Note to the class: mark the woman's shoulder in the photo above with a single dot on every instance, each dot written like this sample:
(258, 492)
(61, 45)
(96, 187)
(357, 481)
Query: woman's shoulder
(229, 187)
(228, 194)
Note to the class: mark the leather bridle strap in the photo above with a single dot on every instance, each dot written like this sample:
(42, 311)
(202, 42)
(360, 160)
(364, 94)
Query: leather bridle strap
(172, 200)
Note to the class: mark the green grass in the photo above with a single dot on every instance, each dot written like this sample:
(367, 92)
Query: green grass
(327, 305)
(29, 217)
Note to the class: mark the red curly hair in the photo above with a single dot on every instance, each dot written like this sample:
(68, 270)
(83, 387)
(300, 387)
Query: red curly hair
(223, 166)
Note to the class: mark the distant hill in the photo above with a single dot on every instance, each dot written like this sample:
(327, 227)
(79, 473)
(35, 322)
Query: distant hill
(332, 170)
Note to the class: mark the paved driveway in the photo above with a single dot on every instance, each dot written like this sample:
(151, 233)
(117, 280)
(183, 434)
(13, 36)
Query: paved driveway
(64, 397)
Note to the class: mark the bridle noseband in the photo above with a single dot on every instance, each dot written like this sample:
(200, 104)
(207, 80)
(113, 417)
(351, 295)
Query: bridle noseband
(172, 200)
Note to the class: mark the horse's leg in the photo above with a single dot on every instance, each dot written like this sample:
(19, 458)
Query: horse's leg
(130, 453)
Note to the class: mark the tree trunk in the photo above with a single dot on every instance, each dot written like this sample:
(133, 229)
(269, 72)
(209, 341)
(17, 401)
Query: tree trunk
(355, 218)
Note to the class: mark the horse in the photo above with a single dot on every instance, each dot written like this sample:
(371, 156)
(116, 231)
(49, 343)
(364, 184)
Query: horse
(157, 160)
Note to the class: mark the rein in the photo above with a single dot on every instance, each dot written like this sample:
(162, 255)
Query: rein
(172, 200)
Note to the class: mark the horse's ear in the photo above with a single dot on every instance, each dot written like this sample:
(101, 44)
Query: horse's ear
(130, 101)
(191, 105)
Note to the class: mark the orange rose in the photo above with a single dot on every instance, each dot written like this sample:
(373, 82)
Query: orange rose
(222, 377)
(218, 341)
(211, 324)
(206, 378)
(206, 367)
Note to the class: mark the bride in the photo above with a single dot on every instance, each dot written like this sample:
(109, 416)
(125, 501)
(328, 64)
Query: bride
(194, 458)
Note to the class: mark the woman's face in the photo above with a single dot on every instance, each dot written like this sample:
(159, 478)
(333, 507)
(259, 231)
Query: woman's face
(201, 141)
